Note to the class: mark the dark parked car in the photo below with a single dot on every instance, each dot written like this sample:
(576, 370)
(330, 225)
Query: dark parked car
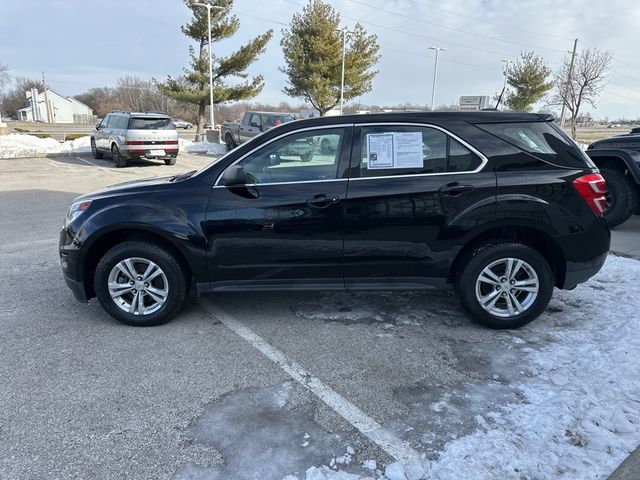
(503, 207)
(618, 159)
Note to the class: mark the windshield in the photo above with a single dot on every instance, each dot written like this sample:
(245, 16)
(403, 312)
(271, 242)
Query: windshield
(151, 123)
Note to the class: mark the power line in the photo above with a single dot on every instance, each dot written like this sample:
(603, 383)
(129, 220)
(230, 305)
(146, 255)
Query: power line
(455, 29)
(406, 32)
(442, 59)
(484, 20)
(622, 96)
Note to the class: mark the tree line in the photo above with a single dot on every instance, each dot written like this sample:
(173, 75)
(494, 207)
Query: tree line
(313, 52)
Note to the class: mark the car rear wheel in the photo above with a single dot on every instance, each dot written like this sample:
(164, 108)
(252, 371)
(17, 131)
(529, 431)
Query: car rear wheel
(170, 161)
(140, 284)
(622, 196)
(504, 285)
(229, 142)
(118, 160)
(94, 150)
(306, 157)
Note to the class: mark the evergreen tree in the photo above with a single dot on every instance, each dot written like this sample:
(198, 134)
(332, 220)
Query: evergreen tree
(193, 87)
(528, 78)
(313, 53)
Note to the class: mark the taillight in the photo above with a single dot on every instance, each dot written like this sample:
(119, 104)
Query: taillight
(170, 142)
(135, 142)
(592, 188)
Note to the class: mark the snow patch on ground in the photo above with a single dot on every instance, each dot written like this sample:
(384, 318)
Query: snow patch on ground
(562, 399)
(209, 148)
(17, 145)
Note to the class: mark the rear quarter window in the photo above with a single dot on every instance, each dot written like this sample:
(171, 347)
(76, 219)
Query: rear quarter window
(541, 139)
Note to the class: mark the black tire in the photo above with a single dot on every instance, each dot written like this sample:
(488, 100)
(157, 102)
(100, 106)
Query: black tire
(94, 150)
(325, 146)
(475, 262)
(306, 157)
(118, 160)
(189, 127)
(170, 161)
(623, 197)
(177, 289)
(229, 142)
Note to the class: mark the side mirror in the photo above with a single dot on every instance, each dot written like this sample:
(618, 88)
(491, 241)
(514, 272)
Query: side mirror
(234, 176)
(98, 126)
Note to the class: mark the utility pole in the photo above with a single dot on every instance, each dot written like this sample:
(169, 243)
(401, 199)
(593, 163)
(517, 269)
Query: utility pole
(435, 75)
(344, 32)
(210, 7)
(566, 90)
(46, 100)
(504, 86)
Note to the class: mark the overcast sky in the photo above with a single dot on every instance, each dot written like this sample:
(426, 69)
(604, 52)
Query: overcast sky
(86, 43)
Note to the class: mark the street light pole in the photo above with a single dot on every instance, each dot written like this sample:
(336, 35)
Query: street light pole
(344, 32)
(435, 75)
(210, 7)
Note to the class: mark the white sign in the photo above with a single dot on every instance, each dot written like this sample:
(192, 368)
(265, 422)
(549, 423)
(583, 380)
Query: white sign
(380, 150)
(395, 150)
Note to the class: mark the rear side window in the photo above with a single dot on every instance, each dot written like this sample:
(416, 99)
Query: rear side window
(275, 120)
(407, 150)
(541, 139)
(151, 123)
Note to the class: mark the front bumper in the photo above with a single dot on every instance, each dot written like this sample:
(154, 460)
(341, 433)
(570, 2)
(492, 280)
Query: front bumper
(71, 267)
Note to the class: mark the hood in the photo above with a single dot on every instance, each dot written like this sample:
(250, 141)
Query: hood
(127, 188)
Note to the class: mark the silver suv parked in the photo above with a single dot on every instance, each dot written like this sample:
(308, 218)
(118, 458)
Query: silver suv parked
(128, 136)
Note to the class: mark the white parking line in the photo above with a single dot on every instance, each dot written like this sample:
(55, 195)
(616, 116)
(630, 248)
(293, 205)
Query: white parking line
(387, 441)
(93, 164)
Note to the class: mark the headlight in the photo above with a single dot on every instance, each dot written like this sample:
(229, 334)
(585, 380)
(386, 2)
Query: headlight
(77, 209)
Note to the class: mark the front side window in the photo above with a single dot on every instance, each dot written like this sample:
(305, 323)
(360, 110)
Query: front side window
(299, 157)
(408, 150)
(105, 122)
(255, 121)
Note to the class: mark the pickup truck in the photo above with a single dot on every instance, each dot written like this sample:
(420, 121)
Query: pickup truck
(618, 159)
(253, 123)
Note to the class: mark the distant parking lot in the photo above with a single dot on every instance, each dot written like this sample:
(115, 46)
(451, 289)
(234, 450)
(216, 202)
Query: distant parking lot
(270, 385)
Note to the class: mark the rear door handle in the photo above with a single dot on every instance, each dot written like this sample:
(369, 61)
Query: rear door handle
(455, 189)
(322, 201)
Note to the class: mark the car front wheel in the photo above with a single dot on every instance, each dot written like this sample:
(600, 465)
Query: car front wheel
(94, 150)
(140, 284)
(623, 197)
(504, 285)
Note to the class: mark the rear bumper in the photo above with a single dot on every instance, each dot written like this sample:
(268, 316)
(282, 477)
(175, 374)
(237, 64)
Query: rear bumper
(580, 272)
(137, 152)
(585, 253)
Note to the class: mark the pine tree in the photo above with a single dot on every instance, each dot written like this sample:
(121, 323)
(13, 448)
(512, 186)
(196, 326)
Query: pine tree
(528, 77)
(193, 87)
(313, 53)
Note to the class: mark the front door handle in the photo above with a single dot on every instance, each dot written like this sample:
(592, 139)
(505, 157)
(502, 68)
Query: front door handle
(322, 201)
(455, 189)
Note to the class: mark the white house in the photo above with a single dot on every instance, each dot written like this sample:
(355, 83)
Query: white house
(51, 107)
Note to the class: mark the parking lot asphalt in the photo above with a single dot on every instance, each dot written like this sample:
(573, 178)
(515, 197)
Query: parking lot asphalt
(239, 386)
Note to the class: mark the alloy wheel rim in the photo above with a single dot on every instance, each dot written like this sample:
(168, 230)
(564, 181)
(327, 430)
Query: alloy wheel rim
(138, 286)
(507, 287)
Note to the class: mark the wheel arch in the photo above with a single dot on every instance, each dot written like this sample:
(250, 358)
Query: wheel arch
(535, 238)
(111, 238)
(620, 160)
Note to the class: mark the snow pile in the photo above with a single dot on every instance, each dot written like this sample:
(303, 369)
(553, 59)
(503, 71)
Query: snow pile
(209, 148)
(17, 145)
(576, 372)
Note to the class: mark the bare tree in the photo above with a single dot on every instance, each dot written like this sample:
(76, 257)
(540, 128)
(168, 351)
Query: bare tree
(585, 83)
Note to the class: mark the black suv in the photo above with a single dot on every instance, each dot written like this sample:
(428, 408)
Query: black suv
(502, 206)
